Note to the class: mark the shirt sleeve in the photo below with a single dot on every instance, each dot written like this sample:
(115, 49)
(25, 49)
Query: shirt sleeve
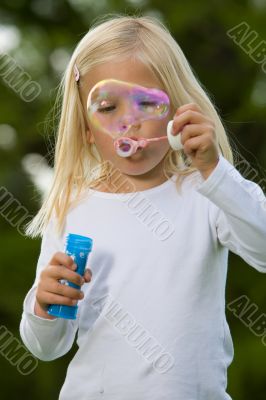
(46, 339)
(240, 212)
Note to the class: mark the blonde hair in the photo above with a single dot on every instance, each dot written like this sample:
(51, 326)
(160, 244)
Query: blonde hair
(113, 38)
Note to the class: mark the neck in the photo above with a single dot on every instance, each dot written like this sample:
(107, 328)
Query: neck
(123, 183)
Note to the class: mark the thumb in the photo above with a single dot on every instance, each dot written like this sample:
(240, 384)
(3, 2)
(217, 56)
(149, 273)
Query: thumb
(87, 275)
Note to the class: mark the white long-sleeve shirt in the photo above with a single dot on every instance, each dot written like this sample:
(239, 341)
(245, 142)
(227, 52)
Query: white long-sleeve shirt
(152, 323)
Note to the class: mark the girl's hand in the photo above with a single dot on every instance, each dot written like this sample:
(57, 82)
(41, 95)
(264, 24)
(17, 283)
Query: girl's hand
(198, 137)
(51, 291)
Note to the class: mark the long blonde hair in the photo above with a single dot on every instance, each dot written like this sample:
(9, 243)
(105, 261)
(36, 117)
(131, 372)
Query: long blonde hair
(111, 38)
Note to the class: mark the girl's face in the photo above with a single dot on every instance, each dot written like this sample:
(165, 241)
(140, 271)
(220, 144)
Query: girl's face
(147, 163)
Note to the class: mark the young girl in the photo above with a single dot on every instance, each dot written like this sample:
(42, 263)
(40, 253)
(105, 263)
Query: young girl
(151, 318)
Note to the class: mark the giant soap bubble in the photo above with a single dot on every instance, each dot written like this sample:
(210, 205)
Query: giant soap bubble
(114, 106)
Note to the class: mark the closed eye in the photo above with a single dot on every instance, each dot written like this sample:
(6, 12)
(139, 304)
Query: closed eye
(142, 104)
(106, 109)
(148, 104)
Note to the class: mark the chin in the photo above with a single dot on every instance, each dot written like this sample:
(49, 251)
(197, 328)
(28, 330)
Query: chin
(139, 163)
(137, 168)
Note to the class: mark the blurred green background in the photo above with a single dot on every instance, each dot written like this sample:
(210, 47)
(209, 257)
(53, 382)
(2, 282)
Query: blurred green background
(40, 36)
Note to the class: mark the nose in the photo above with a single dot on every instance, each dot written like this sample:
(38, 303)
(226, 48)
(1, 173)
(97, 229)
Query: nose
(127, 124)
(126, 120)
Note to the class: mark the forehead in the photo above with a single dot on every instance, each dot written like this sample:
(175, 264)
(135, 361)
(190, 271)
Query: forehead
(132, 71)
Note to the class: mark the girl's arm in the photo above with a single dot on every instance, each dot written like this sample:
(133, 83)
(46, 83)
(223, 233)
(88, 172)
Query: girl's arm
(47, 339)
(240, 213)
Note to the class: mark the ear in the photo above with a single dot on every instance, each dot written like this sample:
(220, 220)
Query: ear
(90, 137)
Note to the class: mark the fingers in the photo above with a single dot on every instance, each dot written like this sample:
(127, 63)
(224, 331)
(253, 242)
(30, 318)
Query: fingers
(189, 114)
(187, 117)
(87, 275)
(58, 288)
(53, 298)
(193, 130)
(191, 145)
(61, 272)
(202, 143)
(51, 291)
(61, 258)
(188, 106)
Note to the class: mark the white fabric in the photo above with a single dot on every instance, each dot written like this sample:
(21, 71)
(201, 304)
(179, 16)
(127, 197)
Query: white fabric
(152, 324)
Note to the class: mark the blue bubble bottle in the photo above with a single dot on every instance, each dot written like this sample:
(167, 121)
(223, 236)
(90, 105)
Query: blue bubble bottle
(78, 247)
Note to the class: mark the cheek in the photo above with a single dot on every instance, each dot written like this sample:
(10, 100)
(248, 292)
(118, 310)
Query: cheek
(157, 128)
(102, 139)
(162, 148)
(104, 144)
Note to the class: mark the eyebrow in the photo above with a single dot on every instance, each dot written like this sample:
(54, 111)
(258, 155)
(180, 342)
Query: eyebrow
(147, 85)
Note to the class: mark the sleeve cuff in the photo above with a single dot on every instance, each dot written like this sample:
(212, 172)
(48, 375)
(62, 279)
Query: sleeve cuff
(28, 306)
(222, 168)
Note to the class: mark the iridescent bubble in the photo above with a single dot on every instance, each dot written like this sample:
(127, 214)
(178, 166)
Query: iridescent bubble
(114, 106)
